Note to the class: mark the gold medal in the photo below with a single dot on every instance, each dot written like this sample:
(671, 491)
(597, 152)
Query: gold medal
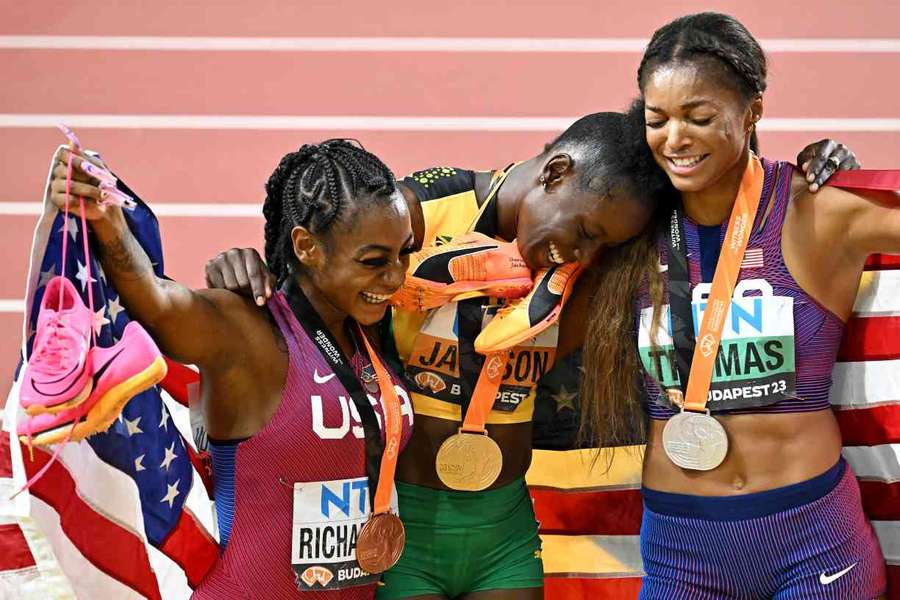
(469, 462)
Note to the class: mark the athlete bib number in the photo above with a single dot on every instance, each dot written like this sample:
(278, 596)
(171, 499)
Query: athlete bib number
(328, 517)
(442, 368)
(755, 361)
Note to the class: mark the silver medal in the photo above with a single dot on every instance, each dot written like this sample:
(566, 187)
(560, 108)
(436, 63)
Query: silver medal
(695, 441)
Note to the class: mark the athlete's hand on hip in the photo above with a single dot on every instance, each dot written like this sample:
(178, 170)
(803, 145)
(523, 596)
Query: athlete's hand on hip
(243, 271)
(820, 160)
(82, 185)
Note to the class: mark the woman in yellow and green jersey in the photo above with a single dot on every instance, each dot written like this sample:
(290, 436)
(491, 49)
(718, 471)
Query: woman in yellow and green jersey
(560, 210)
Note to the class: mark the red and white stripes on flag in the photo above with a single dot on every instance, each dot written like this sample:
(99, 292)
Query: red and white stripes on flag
(83, 534)
(590, 520)
(753, 259)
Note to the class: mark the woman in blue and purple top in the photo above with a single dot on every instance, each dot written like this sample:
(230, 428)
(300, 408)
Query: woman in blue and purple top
(770, 510)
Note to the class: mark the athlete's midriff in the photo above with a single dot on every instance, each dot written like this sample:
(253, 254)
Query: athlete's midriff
(416, 464)
(765, 451)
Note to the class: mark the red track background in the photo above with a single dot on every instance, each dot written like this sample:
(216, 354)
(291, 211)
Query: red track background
(230, 166)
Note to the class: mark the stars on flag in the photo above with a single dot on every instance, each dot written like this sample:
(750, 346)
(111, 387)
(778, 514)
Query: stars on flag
(114, 308)
(564, 399)
(169, 457)
(46, 276)
(82, 276)
(133, 426)
(73, 228)
(138, 464)
(99, 320)
(164, 422)
(171, 493)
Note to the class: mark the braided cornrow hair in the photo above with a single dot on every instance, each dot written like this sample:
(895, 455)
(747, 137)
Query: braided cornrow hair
(313, 187)
(715, 36)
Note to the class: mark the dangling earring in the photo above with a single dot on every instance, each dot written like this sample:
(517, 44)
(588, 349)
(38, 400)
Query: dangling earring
(753, 124)
(543, 181)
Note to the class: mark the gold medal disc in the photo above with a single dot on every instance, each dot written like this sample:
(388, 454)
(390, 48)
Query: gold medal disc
(469, 462)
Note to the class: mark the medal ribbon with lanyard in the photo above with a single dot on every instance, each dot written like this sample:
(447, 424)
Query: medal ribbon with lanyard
(693, 439)
(470, 460)
(382, 538)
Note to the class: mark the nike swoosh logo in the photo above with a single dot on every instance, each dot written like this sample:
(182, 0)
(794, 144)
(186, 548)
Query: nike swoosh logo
(34, 384)
(826, 579)
(99, 372)
(319, 379)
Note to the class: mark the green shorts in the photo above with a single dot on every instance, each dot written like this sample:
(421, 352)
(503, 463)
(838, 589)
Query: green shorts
(458, 542)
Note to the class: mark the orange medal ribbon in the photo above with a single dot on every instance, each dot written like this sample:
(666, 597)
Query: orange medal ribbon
(719, 301)
(485, 392)
(693, 439)
(382, 538)
(393, 430)
(470, 460)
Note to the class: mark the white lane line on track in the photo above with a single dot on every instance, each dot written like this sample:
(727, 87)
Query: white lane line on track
(12, 306)
(382, 123)
(410, 44)
(160, 209)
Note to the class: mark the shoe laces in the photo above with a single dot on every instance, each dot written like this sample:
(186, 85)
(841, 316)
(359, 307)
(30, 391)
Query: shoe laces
(79, 415)
(59, 347)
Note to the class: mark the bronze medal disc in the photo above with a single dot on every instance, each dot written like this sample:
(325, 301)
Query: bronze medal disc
(695, 441)
(469, 462)
(380, 543)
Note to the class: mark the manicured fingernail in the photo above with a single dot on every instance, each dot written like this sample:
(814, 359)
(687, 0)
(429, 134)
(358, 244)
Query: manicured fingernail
(814, 187)
(810, 177)
(260, 300)
(73, 139)
(97, 172)
(113, 196)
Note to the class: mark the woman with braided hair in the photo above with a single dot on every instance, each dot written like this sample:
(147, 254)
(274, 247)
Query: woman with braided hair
(746, 494)
(304, 420)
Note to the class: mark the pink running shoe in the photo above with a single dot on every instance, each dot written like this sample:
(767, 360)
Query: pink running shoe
(120, 372)
(58, 371)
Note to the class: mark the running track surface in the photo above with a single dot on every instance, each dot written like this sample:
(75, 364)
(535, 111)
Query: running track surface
(217, 142)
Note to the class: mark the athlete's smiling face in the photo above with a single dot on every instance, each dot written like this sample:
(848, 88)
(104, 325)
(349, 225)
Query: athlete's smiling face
(697, 124)
(566, 221)
(360, 261)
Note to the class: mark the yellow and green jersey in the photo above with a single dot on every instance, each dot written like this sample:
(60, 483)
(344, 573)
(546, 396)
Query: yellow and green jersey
(437, 347)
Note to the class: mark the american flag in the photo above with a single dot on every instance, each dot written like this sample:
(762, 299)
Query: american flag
(113, 517)
(753, 259)
(590, 519)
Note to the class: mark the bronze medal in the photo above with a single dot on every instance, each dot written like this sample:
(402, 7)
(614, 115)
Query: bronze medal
(380, 543)
(695, 441)
(469, 462)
